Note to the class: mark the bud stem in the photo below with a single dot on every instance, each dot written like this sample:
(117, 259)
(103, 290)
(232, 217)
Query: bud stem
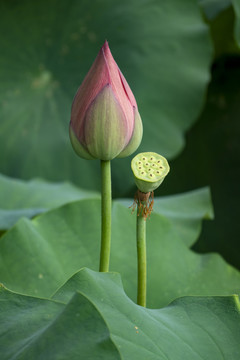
(106, 215)
(142, 258)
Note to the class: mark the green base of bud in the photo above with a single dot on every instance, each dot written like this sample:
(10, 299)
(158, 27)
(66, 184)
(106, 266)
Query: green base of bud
(78, 148)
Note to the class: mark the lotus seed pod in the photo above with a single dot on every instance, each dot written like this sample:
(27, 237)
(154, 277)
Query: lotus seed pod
(149, 170)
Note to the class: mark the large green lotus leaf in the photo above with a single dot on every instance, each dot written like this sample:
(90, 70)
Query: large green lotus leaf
(184, 211)
(44, 252)
(20, 198)
(37, 256)
(34, 329)
(189, 328)
(173, 269)
(47, 47)
(100, 322)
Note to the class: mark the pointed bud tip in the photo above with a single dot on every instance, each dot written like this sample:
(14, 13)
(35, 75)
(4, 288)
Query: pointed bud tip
(106, 52)
(105, 46)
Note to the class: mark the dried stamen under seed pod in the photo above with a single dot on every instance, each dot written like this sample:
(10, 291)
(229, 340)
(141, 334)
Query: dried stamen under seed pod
(144, 202)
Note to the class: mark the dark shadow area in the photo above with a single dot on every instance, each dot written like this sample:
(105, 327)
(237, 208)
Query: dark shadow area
(212, 157)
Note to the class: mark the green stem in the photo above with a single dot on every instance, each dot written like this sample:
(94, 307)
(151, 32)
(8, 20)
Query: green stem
(106, 215)
(142, 260)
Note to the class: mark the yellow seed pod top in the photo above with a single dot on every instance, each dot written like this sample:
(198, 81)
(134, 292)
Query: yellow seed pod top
(149, 170)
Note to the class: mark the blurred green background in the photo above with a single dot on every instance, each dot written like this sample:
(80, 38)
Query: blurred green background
(181, 59)
(212, 152)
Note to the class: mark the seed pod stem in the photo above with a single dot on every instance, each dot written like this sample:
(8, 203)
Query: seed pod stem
(142, 258)
(149, 170)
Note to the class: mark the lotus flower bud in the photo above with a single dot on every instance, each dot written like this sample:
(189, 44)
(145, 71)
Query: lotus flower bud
(105, 122)
(149, 170)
